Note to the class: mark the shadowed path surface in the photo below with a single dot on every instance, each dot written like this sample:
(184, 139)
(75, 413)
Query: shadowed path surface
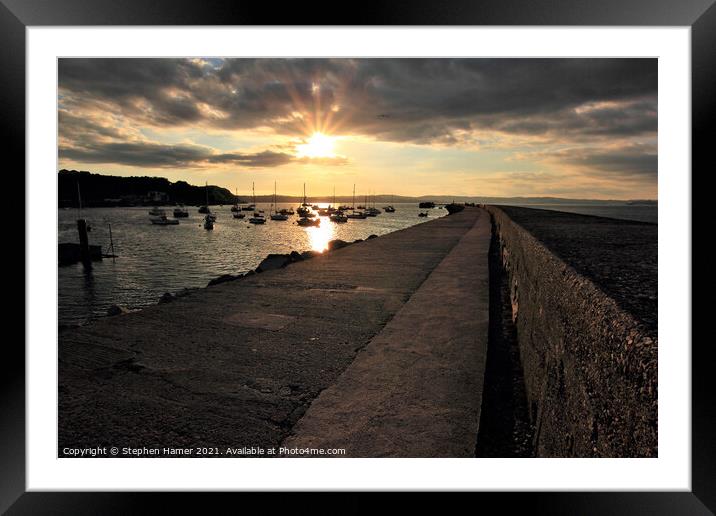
(239, 363)
(416, 389)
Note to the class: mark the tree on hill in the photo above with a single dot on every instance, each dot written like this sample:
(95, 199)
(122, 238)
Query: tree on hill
(101, 190)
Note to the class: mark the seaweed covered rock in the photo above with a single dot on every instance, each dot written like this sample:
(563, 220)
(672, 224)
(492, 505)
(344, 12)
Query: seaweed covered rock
(274, 261)
(337, 244)
(222, 279)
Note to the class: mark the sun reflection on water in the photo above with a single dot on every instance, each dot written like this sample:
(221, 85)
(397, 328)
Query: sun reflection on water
(319, 236)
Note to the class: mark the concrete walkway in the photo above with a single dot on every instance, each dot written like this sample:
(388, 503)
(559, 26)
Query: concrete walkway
(238, 364)
(416, 389)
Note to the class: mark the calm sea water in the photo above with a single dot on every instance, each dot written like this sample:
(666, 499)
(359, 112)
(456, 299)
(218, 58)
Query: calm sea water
(153, 259)
(157, 259)
(640, 212)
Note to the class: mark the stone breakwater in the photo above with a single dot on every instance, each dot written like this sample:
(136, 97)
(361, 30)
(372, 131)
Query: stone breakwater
(583, 299)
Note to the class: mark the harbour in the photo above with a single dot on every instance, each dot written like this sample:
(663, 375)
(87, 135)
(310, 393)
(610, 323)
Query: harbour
(156, 260)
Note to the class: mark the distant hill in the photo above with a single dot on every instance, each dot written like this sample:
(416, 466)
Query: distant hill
(101, 190)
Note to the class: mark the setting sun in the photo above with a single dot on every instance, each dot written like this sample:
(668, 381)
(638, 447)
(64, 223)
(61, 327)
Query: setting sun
(318, 145)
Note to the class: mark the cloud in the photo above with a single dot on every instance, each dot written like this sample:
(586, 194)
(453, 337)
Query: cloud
(86, 140)
(617, 161)
(403, 100)
(624, 162)
(137, 154)
(597, 117)
(258, 159)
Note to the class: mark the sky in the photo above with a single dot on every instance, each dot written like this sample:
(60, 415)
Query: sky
(576, 128)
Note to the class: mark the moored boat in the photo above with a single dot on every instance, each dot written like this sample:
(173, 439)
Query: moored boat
(304, 210)
(180, 212)
(356, 214)
(338, 217)
(162, 220)
(209, 218)
(258, 217)
(307, 221)
(275, 213)
(236, 207)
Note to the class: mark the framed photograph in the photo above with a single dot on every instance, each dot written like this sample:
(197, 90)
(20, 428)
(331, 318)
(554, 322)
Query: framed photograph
(442, 248)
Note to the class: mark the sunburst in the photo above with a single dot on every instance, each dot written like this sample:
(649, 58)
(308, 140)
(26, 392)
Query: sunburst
(319, 145)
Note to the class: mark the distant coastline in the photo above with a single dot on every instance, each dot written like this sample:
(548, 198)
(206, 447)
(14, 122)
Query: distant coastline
(99, 190)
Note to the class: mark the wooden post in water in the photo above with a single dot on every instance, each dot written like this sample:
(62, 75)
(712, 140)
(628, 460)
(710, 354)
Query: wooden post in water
(84, 243)
(82, 230)
(111, 241)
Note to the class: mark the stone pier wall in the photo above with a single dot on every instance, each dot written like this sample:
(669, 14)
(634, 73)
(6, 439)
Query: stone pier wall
(590, 365)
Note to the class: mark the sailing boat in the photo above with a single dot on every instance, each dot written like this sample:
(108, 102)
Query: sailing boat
(276, 215)
(258, 217)
(336, 214)
(307, 217)
(389, 208)
(208, 218)
(371, 211)
(205, 207)
(355, 214)
(330, 209)
(235, 207)
(304, 210)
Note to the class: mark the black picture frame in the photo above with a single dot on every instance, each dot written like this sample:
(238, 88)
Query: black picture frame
(16, 15)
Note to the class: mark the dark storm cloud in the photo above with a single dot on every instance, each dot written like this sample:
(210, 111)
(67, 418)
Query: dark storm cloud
(394, 99)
